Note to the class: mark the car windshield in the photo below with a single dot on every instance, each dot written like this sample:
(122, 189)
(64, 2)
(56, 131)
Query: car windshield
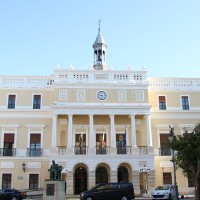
(164, 187)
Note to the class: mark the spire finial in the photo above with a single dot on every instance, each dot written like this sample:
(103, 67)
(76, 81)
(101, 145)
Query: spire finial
(99, 26)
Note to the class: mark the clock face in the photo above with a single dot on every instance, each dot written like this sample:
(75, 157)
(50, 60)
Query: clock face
(101, 95)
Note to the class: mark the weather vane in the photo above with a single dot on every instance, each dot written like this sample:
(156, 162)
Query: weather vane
(99, 25)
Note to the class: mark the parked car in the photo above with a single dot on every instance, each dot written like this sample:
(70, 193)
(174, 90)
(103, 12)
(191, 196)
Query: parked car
(108, 191)
(163, 192)
(12, 194)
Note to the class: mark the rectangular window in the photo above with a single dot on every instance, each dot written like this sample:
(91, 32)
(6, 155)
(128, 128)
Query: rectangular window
(191, 182)
(36, 101)
(11, 101)
(185, 102)
(8, 149)
(162, 103)
(167, 178)
(6, 181)
(80, 142)
(35, 146)
(100, 143)
(33, 181)
(121, 143)
(164, 150)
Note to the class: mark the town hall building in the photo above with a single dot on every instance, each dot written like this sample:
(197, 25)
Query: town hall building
(100, 124)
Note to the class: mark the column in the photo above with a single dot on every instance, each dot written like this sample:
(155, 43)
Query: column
(91, 141)
(112, 129)
(133, 131)
(91, 149)
(113, 149)
(70, 132)
(70, 141)
(149, 134)
(133, 134)
(54, 135)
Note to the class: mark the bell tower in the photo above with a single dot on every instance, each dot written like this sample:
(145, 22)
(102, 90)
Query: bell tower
(99, 47)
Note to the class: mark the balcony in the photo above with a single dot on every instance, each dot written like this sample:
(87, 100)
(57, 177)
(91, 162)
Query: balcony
(37, 152)
(93, 76)
(142, 149)
(123, 149)
(165, 152)
(102, 150)
(7, 152)
(80, 150)
(62, 150)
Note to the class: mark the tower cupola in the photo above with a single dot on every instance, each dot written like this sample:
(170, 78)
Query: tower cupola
(99, 47)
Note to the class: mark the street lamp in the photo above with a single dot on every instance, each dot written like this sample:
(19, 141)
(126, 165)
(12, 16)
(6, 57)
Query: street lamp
(146, 171)
(24, 167)
(171, 136)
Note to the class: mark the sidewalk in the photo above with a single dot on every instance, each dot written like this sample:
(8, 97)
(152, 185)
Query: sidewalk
(76, 197)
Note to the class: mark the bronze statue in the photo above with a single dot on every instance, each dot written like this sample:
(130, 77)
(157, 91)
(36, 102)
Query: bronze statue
(55, 171)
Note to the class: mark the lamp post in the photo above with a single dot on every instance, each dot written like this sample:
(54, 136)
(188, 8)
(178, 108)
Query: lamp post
(171, 135)
(146, 171)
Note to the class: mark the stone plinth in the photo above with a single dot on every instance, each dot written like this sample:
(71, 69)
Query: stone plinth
(54, 190)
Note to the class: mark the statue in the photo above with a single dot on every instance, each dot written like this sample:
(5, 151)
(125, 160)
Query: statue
(55, 171)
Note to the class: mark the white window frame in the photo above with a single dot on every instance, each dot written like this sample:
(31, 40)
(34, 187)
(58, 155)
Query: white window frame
(40, 100)
(15, 100)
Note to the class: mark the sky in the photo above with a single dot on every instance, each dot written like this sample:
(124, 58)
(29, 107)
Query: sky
(161, 35)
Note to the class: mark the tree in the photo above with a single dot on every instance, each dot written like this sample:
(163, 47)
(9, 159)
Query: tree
(187, 155)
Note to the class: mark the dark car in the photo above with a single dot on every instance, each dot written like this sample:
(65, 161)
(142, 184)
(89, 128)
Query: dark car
(108, 191)
(12, 194)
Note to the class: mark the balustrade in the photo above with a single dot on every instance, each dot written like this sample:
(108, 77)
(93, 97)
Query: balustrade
(7, 151)
(35, 152)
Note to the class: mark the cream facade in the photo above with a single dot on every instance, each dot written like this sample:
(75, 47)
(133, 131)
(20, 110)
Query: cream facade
(101, 125)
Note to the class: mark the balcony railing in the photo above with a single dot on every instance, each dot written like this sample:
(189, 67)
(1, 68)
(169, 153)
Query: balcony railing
(7, 152)
(142, 149)
(123, 149)
(165, 152)
(80, 150)
(62, 150)
(102, 150)
(37, 152)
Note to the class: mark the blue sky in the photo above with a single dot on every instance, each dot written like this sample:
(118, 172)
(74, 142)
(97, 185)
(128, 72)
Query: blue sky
(162, 35)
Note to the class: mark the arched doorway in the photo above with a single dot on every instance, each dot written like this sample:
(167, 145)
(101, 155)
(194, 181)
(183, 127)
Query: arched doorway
(101, 175)
(122, 174)
(80, 179)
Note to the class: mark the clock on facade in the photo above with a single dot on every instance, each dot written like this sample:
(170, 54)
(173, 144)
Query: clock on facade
(101, 95)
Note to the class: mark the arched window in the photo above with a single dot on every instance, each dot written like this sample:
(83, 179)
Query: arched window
(101, 175)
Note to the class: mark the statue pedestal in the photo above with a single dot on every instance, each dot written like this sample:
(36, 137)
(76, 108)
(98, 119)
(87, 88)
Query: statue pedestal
(54, 190)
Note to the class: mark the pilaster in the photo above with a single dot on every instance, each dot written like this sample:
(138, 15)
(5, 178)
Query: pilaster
(70, 183)
(91, 181)
(113, 176)
(136, 181)
(54, 135)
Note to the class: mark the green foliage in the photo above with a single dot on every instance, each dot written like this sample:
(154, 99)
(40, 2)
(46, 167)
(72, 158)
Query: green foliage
(187, 151)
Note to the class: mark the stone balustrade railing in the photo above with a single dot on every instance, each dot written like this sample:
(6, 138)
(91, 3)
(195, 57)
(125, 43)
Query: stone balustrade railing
(26, 81)
(96, 76)
(174, 84)
(74, 76)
